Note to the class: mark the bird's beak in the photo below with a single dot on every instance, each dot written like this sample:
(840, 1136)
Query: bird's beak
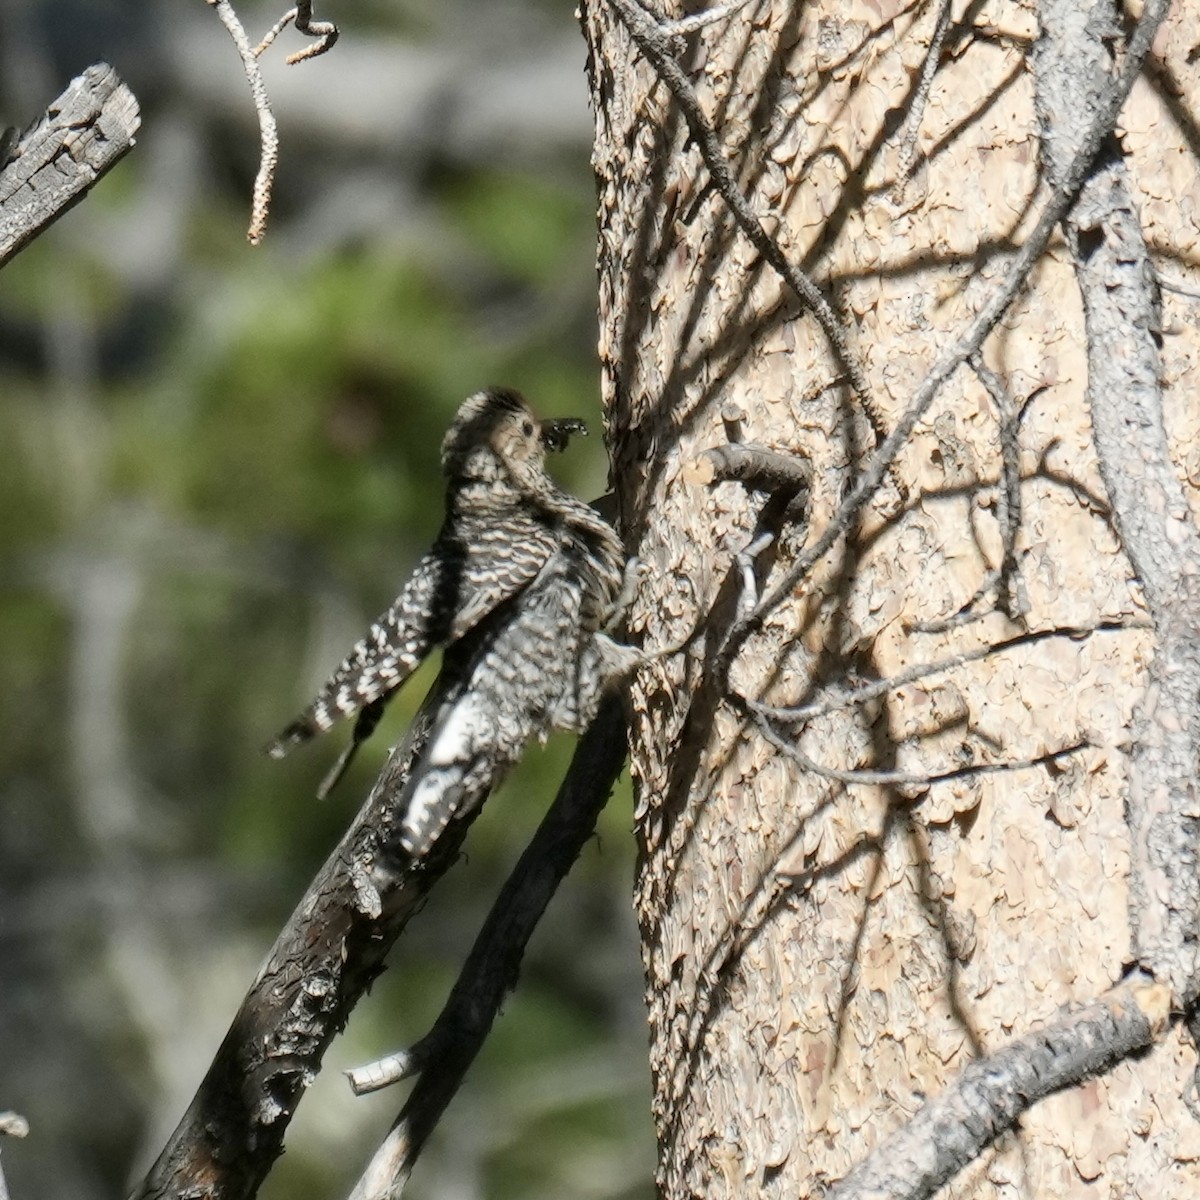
(557, 433)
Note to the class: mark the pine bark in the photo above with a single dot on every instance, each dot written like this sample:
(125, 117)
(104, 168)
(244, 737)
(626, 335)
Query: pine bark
(822, 955)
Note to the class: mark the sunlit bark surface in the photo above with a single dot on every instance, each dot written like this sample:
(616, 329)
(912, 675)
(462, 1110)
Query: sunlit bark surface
(822, 955)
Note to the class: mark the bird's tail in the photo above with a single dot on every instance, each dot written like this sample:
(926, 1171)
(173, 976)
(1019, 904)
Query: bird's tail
(300, 730)
(456, 771)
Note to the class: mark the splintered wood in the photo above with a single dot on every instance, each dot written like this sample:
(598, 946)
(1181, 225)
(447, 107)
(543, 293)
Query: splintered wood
(84, 133)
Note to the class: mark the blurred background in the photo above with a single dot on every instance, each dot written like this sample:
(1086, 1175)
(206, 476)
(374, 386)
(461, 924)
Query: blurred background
(219, 464)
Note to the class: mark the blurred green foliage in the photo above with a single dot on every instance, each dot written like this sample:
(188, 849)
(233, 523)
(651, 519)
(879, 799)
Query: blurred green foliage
(215, 477)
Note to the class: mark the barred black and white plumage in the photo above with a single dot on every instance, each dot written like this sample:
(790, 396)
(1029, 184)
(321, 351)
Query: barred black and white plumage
(512, 540)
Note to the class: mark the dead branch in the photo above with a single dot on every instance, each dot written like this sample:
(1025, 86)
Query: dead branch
(326, 956)
(1150, 508)
(83, 135)
(864, 693)
(444, 1055)
(682, 26)
(326, 34)
(757, 467)
(988, 1098)
(911, 129)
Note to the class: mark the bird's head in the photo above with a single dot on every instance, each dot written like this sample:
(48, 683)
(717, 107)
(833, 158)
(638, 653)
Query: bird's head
(495, 435)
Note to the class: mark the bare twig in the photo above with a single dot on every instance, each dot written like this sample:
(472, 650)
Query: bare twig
(269, 37)
(744, 562)
(866, 692)
(84, 133)
(971, 340)
(921, 779)
(443, 1056)
(992, 1093)
(655, 44)
(325, 31)
(268, 135)
(910, 130)
(682, 26)
(326, 34)
(1180, 289)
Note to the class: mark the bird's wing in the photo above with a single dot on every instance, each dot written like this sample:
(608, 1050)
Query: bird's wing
(454, 586)
(499, 563)
(380, 662)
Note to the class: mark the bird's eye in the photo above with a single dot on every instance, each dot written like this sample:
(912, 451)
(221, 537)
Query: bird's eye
(527, 429)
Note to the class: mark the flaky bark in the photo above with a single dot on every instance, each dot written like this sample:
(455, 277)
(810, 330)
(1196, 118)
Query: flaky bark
(325, 957)
(83, 134)
(827, 938)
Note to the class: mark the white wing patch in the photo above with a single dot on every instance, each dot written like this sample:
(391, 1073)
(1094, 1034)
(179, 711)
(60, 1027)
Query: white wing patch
(443, 765)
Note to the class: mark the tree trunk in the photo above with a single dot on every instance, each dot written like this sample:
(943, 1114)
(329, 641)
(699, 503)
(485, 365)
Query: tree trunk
(841, 909)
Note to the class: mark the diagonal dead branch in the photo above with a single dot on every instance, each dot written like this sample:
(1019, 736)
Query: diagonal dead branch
(682, 26)
(84, 133)
(323, 960)
(655, 44)
(990, 1095)
(911, 129)
(443, 1056)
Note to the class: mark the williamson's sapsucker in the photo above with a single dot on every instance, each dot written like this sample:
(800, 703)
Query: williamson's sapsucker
(518, 587)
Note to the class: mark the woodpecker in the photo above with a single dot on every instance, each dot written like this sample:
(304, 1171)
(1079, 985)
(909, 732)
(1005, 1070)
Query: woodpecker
(518, 587)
